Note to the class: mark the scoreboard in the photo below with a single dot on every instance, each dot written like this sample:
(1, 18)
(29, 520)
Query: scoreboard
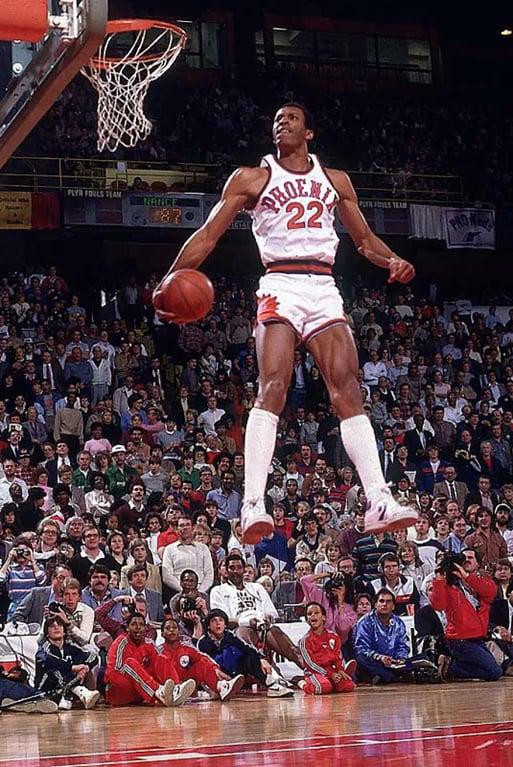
(90, 207)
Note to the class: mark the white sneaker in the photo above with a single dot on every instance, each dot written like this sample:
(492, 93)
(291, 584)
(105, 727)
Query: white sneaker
(279, 691)
(384, 513)
(43, 706)
(88, 697)
(183, 691)
(256, 522)
(164, 693)
(65, 704)
(229, 687)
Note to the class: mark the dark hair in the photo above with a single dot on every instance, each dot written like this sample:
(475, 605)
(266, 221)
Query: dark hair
(135, 569)
(316, 604)
(387, 592)
(101, 569)
(132, 615)
(309, 120)
(335, 581)
(234, 558)
(51, 620)
(189, 572)
(388, 557)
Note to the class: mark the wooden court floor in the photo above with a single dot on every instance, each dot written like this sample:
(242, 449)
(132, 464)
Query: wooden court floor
(452, 725)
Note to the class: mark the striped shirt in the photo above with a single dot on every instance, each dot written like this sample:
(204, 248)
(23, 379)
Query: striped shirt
(21, 579)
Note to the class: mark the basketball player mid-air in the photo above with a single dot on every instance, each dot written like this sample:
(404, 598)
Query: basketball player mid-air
(292, 200)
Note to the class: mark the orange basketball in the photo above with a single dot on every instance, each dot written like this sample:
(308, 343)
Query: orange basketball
(186, 293)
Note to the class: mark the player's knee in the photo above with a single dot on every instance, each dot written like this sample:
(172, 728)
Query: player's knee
(272, 394)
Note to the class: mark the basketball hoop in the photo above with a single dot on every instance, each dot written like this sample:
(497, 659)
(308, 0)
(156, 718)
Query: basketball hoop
(135, 52)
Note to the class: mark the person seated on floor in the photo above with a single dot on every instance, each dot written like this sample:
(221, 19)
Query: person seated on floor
(131, 675)
(236, 657)
(500, 628)
(381, 643)
(465, 597)
(61, 662)
(321, 650)
(429, 627)
(15, 693)
(181, 662)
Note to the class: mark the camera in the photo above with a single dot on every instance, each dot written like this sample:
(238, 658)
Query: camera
(55, 607)
(335, 581)
(187, 604)
(21, 551)
(447, 564)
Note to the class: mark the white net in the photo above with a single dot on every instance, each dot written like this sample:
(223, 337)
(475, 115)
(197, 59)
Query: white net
(121, 72)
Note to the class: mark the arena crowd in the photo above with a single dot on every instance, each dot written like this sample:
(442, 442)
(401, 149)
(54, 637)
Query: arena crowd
(121, 485)
(357, 133)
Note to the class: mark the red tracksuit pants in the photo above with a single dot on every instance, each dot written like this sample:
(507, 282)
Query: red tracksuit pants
(201, 670)
(131, 684)
(319, 684)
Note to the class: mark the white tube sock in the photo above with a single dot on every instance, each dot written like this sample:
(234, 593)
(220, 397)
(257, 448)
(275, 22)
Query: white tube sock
(258, 452)
(360, 444)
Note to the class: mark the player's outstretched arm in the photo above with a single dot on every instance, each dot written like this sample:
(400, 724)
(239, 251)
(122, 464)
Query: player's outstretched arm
(235, 196)
(368, 244)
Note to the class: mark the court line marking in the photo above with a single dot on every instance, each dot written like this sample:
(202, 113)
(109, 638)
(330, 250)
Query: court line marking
(357, 743)
(179, 750)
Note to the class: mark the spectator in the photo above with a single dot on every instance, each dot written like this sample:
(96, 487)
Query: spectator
(488, 544)
(321, 652)
(236, 657)
(186, 554)
(465, 597)
(58, 661)
(337, 599)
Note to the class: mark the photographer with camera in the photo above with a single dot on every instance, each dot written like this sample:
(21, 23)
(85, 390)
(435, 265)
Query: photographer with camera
(106, 619)
(189, 588)
(465, 597)
(337, 599)
(77, 617)
(20, 573)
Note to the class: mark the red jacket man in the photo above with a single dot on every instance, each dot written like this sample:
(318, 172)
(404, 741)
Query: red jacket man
(464, 620)
(466, 600)
(131, 676)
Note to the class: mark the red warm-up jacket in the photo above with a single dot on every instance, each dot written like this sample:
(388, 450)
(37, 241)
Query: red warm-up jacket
(463, 620)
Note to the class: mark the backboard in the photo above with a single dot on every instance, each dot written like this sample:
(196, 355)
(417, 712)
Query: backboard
(34, 74)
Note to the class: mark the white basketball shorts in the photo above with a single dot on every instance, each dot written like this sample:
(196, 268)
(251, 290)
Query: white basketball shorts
(309, 303)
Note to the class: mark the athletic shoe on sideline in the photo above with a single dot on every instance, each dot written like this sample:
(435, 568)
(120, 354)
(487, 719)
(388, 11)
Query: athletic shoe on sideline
(256, 522)
(43, 706)
(164, 693)
(384, 513)
(228, 688)
(183, 691)
(279, 691)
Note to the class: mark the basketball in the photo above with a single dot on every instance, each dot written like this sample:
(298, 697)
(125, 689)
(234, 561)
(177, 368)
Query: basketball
(186, 293)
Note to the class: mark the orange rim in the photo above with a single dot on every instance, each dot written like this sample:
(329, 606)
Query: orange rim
(119, 26)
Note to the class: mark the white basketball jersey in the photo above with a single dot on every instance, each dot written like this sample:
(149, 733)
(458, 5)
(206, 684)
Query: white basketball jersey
(294, 215)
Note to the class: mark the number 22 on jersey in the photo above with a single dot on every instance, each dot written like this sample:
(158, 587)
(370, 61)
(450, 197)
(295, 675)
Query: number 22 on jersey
(302, 217)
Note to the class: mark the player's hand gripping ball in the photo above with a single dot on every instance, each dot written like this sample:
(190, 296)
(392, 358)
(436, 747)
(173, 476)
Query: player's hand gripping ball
(184, 296)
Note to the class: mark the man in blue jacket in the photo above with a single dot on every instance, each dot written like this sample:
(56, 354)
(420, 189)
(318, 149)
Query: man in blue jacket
(381, 643)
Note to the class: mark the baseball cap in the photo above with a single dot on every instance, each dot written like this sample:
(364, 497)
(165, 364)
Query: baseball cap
(118, 449)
